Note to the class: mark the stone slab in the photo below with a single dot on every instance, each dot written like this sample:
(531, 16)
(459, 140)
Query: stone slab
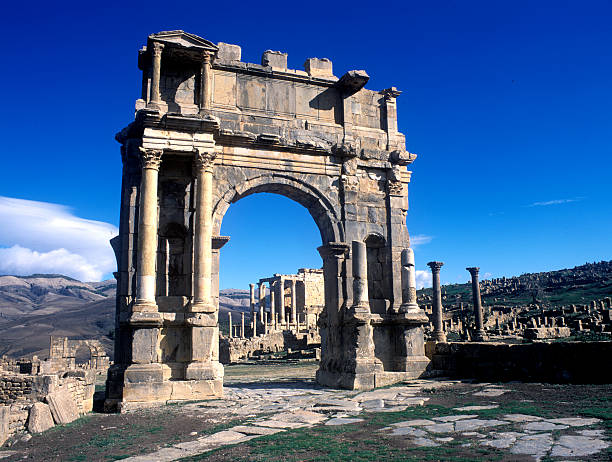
(476, 408)
(476, 424)
(400, 431)
(63, 408)
(342, 421)
(256, 430)
(543, 426)
(577, 446)
(453, 418)
(40, 418)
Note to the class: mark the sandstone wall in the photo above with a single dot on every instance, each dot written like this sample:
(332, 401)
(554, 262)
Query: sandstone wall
(559, 362)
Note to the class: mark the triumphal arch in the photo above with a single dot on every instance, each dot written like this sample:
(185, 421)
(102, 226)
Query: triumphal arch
(211, 129)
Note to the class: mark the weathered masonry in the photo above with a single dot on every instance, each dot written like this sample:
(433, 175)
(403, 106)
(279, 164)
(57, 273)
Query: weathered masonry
(210, 130)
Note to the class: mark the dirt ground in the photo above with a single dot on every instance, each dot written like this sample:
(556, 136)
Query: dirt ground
(103, 437)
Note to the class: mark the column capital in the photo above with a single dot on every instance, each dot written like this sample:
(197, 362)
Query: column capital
(157, 48)
(334, 249)
(150, 158)
(473, 270)
(390, 93)
(435, 266)
(206, 57)
(204, 159)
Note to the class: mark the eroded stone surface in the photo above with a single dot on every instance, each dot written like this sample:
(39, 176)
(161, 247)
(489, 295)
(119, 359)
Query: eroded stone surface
(577, 446)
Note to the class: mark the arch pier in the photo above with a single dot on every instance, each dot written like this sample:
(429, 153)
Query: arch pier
(209, 130)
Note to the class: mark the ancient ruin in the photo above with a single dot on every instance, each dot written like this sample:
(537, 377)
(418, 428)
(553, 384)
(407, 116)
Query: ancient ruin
(285, 320)
(210, 130)
(65, 353)
(36, 394)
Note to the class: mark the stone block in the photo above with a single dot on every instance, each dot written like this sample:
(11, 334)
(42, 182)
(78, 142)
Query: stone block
(5, 412)
(63, 406)
(40, 418)
(228, 52)
(316, 67)
(275, 59)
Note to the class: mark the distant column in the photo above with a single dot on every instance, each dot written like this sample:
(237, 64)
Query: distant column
(272, 305)
(293, 302)
(262, 299)
(479, 334)
(156, 73)
(438, 333)
(252, 290)
(281, 300)
(229, 317)
(242, 325)
(255, 325)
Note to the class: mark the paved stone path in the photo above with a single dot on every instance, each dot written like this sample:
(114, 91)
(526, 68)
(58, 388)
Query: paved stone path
(269, 409)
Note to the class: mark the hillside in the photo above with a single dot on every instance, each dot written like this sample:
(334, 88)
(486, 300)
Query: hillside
(34, 307)
(578, 285)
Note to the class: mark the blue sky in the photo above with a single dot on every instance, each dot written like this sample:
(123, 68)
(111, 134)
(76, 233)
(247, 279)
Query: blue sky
(507, 105)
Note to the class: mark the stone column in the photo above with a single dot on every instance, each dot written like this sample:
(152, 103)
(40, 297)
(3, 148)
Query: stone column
(202, 245)
(479, 334)
(262, 299)
(361, 302)
(252, 294)
(229, 317)
(242, 325)
(281, 300)
(203, 314)
(293, 302)
(156, 53)
(438, 333)
(147, 232)
(272, 307)
(409, 295)
(390, 95)
(255, 325)
(205, 82)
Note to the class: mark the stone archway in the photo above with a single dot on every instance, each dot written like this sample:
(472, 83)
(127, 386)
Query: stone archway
(321, 208)
(327, 143)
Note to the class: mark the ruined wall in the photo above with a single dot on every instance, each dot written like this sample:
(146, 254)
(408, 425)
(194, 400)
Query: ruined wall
(559, 362)
(63, 352)
(236, 349)
(14, 387)
(19, 392)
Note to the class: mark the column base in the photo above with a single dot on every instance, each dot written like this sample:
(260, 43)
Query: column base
(200, 370)
(202, 307)
(144, 306)
(143, 385)
(414, 367)
(439, 337)
(479, 336)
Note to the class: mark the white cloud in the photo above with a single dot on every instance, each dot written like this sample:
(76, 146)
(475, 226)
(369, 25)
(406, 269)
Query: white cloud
(554, 202)
(21, 261)
(48, 238)
(420, 239)
(423, 279)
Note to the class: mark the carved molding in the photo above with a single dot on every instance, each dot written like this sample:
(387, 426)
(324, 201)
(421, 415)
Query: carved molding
(395, 188)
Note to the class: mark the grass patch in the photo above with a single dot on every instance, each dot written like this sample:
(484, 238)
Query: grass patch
(119, 439)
